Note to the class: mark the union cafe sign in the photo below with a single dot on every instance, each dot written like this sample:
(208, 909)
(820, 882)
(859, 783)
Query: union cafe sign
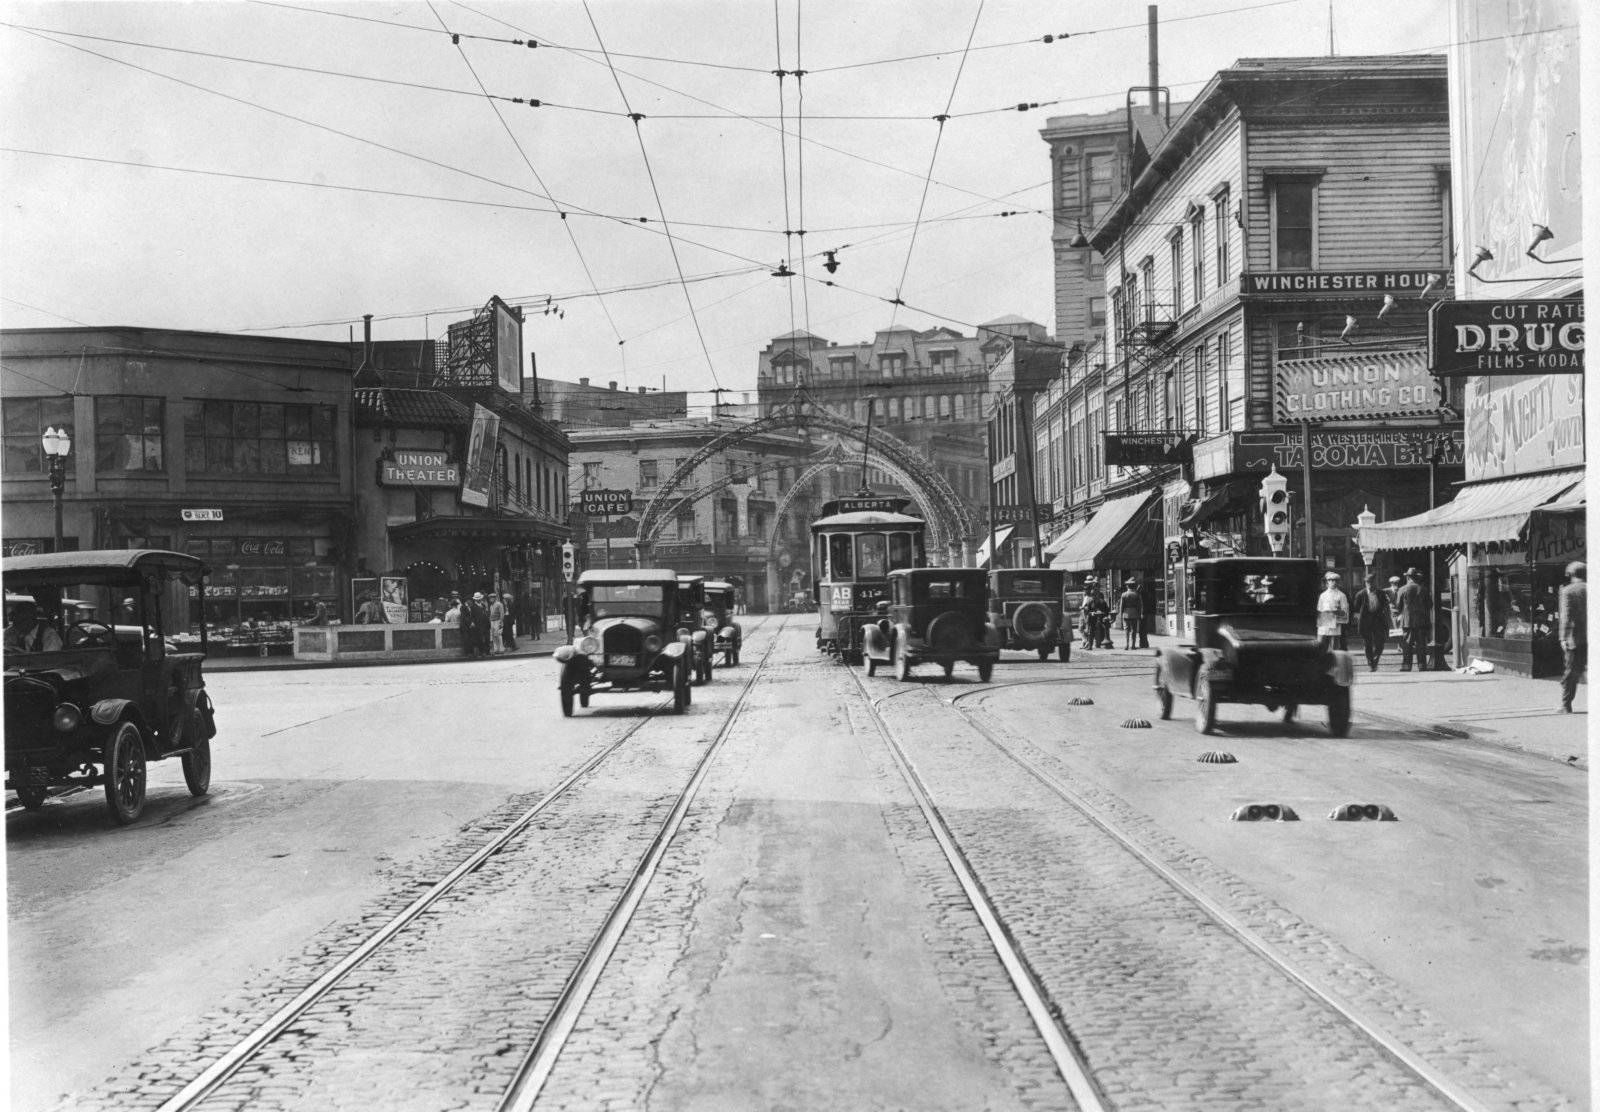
(409, 467)
(1528, 337)
(1342, 283)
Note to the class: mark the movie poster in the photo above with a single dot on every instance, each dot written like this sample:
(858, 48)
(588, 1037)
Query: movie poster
(479, 477)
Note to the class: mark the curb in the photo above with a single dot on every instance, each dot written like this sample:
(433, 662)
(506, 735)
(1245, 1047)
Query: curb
(290, 665)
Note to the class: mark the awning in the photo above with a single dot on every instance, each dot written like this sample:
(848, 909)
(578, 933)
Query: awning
(1225, 498)
(1496, 511)
(985, 550)
(1060, 542)
(492, 530)
(1119, 529)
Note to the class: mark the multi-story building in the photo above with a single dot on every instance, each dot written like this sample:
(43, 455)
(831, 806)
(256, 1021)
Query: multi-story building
(737, 517)
(1514, 341)
(1270, 268)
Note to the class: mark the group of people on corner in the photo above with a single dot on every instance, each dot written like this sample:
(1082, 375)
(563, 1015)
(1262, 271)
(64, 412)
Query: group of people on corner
(1404, 608)
(487, 625)
(1096, 615)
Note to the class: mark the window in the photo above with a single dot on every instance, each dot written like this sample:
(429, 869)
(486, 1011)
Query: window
(591, 476)
(842, 366)
(127, 434)
(942, 362)
(258, 438)
(686, 526)
(649, 474)
(1147, 276)
(961, 407)
(25, 421)
(1224, 402)
(892, 365)
(1294, 210)
(1097, 313)
(1221, 213)
(1197, 253)
(1101, 170)
(944, 407)
(1175, 247)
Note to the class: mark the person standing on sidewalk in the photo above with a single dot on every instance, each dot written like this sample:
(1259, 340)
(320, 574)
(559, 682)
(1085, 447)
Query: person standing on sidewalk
(1574, 631)
(508, 629)
(1130, 609)
(1371, 612)
(497, 622)
(1415, 604)
(1333, 611)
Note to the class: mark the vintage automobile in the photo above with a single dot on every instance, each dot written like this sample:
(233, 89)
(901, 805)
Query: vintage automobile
(727, 634)
(933, 615)
(626, 638)
(1255, 641)
(90, 701)
(691, 604)
(1025, 605)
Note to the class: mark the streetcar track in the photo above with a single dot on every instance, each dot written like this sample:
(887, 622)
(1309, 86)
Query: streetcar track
(1390, 1045)
(542, 1054)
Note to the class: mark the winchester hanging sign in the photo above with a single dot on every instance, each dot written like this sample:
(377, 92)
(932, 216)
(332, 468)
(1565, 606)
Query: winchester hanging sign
(1147, 449)
(1467, 338)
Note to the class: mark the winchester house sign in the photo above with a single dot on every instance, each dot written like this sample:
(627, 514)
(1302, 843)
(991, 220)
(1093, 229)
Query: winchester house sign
(1360, 283)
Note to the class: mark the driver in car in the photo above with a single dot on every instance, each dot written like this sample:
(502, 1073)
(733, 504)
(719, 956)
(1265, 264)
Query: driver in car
(30, 631)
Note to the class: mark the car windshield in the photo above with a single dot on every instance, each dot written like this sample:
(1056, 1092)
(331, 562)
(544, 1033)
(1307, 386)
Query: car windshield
(45, 618)
(941, 590)
(1258, 593)
(613, 600)
(1023, 585)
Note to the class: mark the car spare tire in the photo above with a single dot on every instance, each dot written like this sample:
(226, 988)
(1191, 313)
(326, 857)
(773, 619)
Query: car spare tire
(1034, 624)
(948, 632)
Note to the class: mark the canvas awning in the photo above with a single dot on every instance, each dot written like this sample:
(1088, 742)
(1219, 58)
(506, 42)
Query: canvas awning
(986, 549)
(1495, 511)
(1060, 542)
(1120, 528)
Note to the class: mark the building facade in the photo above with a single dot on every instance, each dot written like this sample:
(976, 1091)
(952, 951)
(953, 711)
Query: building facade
(1270, 268)
(1513, 342)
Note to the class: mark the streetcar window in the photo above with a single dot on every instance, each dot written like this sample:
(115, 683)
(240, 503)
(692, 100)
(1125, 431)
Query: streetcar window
(873, 556)
(841, 557)
(901, 554)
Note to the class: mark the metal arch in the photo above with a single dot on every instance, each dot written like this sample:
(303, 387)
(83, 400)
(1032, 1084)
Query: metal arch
(952, 518)
(836, 459)
(705, 491)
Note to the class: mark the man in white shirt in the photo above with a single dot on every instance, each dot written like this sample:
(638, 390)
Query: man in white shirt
(1333, 611)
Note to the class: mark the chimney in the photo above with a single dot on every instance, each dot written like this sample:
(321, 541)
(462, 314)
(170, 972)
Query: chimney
(611, 385)
(583, 382)
(533, 373)
(641, 389)
(367, 374)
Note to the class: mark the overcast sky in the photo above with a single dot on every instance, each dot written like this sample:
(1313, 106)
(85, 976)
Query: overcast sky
(284, 168)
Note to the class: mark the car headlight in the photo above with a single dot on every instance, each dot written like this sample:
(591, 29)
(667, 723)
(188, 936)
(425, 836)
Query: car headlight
(699, 635)
(727, 632)
(588, 646)
(652, 644)
(66, 718)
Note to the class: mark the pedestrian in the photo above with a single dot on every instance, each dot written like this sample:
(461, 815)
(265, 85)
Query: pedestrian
(1130, 609)
(497, 622)
(469, 626)
(1415, 605)
(1372, 616)
(371, 612)
(480, 623)
(508, 627)
(1333, 611)
(319, 611)
(1095, 611)
(1574, 631)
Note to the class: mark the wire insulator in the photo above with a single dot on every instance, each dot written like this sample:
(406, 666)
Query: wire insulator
(942, 118)
(1025, 107)
(455, 40)
(635, 116)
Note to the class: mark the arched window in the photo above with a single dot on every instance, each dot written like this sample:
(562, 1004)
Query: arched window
(961, 407)
(944, 407)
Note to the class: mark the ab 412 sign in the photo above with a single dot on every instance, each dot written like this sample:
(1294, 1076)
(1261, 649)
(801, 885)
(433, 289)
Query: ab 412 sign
(1467, 338)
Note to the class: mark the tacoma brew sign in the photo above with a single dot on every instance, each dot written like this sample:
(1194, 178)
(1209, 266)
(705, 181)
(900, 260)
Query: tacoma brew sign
(414, 468)
(1467, 338)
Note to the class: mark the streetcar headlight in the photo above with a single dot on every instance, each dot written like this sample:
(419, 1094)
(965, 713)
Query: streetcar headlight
(588, 646)
(66, 718)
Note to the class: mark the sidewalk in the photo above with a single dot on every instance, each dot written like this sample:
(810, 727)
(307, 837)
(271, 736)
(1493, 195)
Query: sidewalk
(1499, 708)
(539, 646)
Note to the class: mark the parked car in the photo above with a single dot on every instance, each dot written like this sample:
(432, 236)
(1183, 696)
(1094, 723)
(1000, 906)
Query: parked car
(1255, 641)
(933, 615)
(1026, 607)
(691, 604)
(96, 689)
(626, 639)
(727, 634)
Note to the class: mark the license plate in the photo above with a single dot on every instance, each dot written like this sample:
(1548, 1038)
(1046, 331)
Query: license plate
(622, 660)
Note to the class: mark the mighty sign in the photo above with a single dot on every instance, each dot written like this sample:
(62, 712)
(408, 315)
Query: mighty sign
(1506, 337)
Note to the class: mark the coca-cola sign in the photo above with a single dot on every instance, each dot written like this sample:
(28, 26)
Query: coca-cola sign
(262, 548)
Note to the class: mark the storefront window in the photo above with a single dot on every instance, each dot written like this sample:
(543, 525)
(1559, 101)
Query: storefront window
(258, 438)
(1502, 602)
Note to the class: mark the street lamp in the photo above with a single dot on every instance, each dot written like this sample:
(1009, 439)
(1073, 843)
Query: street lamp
(1363, 519)
(57, 446)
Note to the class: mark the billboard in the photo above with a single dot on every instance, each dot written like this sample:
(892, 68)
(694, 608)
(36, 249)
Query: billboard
(480, 457)
(1354, 387)
(1506, 337)
(507, 347)
(1522, 423)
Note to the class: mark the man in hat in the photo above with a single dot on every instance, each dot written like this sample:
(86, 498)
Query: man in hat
(1093, 612)
(1371, 612)
(1130, 609)
(1333, 611)
(475, 626)
(29, 631)
(1415, 604)
(1574, 631)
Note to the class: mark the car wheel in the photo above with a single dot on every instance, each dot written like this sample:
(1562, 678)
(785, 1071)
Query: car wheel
(566, 700)
(197, 768)
(1289, 711)
(1163, 694)
(902, 663)
(584, 691)
(125, 774)
(985, 670)
(680, 694)
(1205, 705)
(1066, 653)
(872, 665)
(1339, 712)
(949, 668)
(1044, 653)
(32, 798)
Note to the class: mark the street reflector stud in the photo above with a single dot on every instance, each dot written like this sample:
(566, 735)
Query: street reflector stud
(1362, 812)
(1217, 756)
(1135, 723)
(1265, 812)
(1080, 701)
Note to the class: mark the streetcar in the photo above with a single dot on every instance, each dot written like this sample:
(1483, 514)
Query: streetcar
(855, 544)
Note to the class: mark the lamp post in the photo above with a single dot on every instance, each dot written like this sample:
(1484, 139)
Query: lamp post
(57, 446)
(1363, 519)
(1439, 445)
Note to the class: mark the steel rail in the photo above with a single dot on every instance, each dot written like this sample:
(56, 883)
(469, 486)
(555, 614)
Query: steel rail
(229, 1063)
(1387, 1043)
(1069, 1059)
(535, 1068)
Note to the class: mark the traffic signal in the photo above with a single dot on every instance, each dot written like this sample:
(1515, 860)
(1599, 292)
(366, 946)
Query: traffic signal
(1275, 509)
(569, 561)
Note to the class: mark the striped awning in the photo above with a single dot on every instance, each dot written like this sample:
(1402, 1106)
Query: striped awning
(1108, 523)
(1493, 511)
(1060, 542)
(986, 549)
